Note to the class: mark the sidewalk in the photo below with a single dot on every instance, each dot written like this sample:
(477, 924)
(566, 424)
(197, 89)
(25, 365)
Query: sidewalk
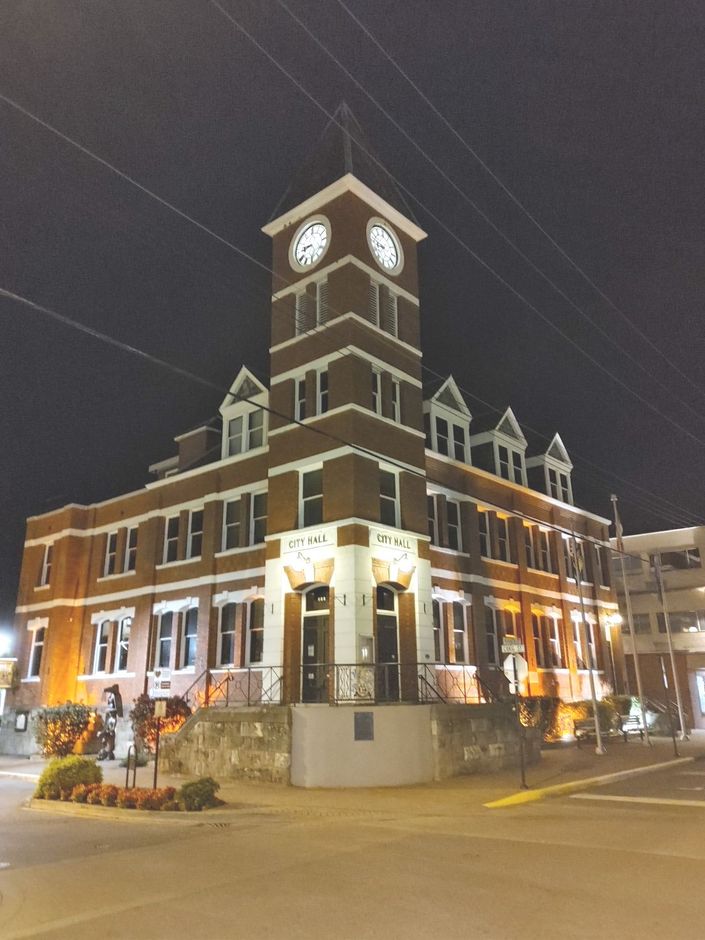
(559, 765)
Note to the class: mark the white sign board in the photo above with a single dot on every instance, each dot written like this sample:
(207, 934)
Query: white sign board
(510, 644)
(306, 541)
(161, 684)
(396, 541)
(515, 668)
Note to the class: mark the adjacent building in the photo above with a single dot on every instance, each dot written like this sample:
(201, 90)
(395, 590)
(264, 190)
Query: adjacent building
(343, 531)
(680, 552)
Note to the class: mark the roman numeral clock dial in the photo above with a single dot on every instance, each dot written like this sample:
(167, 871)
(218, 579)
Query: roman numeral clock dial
(384, 246)
(310, 243)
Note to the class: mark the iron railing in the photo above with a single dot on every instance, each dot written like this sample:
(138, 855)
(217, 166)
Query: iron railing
(341, 684)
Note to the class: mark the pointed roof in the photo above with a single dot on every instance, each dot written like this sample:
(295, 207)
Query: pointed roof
(446, 392)
(245, 385)
(343, 148)
(556, 450)
(507, 425)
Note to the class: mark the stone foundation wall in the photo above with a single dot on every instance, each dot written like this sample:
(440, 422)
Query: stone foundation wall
(469, 739)
(231, 743)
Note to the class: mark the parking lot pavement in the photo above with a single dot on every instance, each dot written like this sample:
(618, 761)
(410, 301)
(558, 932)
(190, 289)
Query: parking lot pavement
(682, 784)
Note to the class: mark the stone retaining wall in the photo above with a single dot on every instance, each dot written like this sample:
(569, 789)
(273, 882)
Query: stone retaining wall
(231, 743)
(469, 739)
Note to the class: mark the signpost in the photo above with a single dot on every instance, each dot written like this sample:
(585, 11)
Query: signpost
(160, 691)
(516, 669)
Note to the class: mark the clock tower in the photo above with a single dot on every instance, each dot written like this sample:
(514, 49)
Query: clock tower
(348, 600)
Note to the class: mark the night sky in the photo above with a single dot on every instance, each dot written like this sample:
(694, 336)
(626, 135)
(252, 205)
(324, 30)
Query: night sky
(591, 113)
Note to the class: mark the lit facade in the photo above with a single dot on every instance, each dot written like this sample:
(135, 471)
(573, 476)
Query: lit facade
(344, 531)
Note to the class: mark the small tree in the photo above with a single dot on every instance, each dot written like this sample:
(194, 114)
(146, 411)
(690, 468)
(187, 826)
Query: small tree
(144, 724)
(58, 729)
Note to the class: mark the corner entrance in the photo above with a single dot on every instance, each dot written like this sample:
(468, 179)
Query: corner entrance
(314, 658)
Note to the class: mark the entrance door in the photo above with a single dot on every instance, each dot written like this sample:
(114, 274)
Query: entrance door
(387, 684)
(314, 658)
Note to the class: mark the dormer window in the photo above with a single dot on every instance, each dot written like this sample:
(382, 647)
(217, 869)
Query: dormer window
(446, 422)
(246, 432)
(510, 464)
(558, 484)
(550, 471)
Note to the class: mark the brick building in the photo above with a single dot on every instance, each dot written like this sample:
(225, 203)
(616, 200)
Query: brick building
(342, 533)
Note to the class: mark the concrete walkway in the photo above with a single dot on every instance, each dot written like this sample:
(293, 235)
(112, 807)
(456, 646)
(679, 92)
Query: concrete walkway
(559, 765)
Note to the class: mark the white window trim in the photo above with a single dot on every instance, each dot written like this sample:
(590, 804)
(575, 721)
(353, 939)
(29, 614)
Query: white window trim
(167, 540)
(302, 501)
(224, 531)
(108, 554)
(125, 569)
(190, 533)
(251, 533)
(397, 508)
(33, 626)
(320, 392)
(45, 575)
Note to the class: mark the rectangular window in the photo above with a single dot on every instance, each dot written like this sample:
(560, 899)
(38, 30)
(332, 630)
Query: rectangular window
(312, 498)
(460, 645)
(503, 547)
(681, 560)
(642, 624)
(493, 635)
(564, 487)
(396, 412)
(592, 646)
(123, 643)
(441, 435)
(427, 430)
(539, 640)
(578, 644)
(543, 541)
(459, 442)
(454, 535)
(300, 399)
(322, 392)
(517, 466)
(171, 539)
(235, 436)
(553, 488)
(226, 647)
(131, 549)
(530, 533)
(388, 498)
(45, 572)
(258, 518)
(602, 568)
(195, 534)
(503, 456)
(190, 633)
(554, 642)
(256, 630)
(683, 621)
(35, 653)
(231, 524)
(432, 518)
(102, 642)
(483, 519)
(255, 429)
(110, 562)
(377, 392)
(437, 631)
(162, 657)
(574, 559)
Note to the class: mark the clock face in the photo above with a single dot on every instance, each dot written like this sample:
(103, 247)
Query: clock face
(310, 244)
(384, 246)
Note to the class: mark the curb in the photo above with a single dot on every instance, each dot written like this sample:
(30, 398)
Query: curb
(86, 811)
(573, 786)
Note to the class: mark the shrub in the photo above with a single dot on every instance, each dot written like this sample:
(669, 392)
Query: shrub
(94, 796)
(126, 799)
(108, 794)
(82, 791)
(199, 794)
(171, 806)
(58, 729)
(63, 774)
(144, 723)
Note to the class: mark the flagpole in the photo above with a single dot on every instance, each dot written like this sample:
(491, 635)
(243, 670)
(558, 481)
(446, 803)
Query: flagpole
(667, 622)
(619, 532)
(599, 746)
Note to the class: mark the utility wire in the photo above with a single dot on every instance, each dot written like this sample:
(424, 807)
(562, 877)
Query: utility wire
(576, 267)
(166, 204)
(186, 373)
(699, 415)
(484, 264)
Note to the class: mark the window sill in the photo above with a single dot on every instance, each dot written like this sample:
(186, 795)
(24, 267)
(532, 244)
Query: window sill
(582, 583)
(42, 587)
(31, 679)
(94, 676)
(185, 671)
(237, 551)
(450, 551)
(552, 669)
(179, 561)
(116, 574)
(458, 667)
(498, 561)
(551, 574)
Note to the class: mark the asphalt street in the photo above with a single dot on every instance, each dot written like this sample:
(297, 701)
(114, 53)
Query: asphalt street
(416, 862)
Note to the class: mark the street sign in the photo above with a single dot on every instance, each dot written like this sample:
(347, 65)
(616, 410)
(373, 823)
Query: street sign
(160, 708)
(510, 644)
(161, 684)
(516, 669)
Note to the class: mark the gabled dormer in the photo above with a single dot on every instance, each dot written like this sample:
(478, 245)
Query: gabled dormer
(244, 415)
(550, 472)
(500, 448)
(446, 420)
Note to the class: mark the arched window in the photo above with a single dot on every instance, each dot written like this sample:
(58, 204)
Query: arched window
(255, 629)
(226, 640)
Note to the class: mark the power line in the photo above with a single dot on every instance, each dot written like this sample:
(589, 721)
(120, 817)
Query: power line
(186, 373)
(456, 237)
(311, 332)
(516, 200)
(486, 218)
